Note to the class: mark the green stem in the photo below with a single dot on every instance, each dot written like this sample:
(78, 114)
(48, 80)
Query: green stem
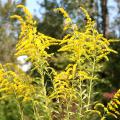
(80, 94)
(48, 112)
(36, 114)
(19, 107)
(21, 111)
(93, 70)
(80, 108)
(68, 116)
(91, 85)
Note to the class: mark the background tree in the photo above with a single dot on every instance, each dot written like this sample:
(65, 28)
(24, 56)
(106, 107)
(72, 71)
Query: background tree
(104, 15)
(112, 68)
(55, 21)
(116, 22)
(8, 31)
(7, 37)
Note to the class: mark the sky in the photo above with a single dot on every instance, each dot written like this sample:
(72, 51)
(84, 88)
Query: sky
(34, 7)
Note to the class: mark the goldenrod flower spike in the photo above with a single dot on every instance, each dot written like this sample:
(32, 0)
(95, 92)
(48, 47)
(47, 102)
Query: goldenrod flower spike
(18, 18)
(26, 11)
(65, 14)
(31, 42)
(86, 13)
(68, 22)
(112, 107)
(12, 84)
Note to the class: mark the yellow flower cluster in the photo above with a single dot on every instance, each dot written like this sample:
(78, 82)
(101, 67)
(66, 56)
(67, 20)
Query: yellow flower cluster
(16, 85)
(114, 104)
(31, 43)
(62, 87)
(86, 45)
(68, 21)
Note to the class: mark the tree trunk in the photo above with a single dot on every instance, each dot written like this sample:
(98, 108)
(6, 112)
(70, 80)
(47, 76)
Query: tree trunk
(104, 12)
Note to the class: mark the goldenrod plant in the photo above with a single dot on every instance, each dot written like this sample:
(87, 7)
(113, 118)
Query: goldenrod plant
(15, 86)
(71, 95)
(85, 50)
(112, 109)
